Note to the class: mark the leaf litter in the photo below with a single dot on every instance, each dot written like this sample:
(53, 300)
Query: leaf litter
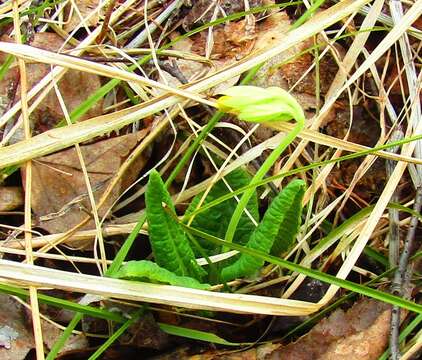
(74, 86)
(11, 198)
(16, 337)
(59, 197)
(82, 12)
(59, 194)
(358, 333)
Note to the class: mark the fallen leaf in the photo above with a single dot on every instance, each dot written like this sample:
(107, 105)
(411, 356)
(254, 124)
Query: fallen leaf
(16, 336)
(285, 70)
(231, 41)
(74, 87)
(59, 196)
(10, 198)
(235, 40)
(52, 333)
(145, 333)
(202, 11)
(360, 333)
(84, 11)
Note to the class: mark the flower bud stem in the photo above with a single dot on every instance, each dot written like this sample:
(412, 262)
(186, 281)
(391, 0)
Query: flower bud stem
(263, 170)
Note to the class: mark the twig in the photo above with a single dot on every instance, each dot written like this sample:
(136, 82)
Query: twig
(394, 228)
(394, 245)
(398, 286)
(142, 36)
(173, 70)
(106, 22)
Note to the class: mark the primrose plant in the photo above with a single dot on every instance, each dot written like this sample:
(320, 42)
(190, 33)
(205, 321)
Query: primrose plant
(254, 104)
(175, 250)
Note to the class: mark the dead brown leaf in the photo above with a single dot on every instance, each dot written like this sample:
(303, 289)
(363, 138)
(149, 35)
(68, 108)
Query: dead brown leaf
(52, 333)
(83, 10)
(202, 11)
(74, 87)
(10, 198)
(232, 41)
(16, 337)
(285, 70)
(193, 70)
(59, 196)
(360, 333)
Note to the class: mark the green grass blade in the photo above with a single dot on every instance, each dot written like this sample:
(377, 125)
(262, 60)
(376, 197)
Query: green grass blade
(116, 335)
(64, 304)
(304, 169)
(6, 65)
(308, 14)
(197, 335)
(58, 345)
(377, 256)
(330, 279)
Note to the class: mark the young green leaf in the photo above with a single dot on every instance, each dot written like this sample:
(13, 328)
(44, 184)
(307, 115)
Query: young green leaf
(169, 243)
(144, 270)
(216, 220)
(289, 227)
(264, 236)
(197, 335)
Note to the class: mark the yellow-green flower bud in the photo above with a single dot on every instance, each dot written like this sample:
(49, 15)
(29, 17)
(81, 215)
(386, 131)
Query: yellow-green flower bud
(255, 104)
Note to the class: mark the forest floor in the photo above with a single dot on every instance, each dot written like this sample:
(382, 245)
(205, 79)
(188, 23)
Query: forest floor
(210, 179)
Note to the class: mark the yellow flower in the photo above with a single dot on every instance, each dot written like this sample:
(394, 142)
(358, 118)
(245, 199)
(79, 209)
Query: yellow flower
(255, 104)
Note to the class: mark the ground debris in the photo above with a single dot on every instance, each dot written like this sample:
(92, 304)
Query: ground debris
(359, 128)
(359, 333)
(85, 14)
(289, 69)
(145, 333)
(16, 337)
(59, 196)
(203, 11)
(11, 197)
(73, 87)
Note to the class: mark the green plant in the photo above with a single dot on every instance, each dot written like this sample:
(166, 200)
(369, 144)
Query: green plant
(169, 243)
(144, 269)
(254, 104)
(273, 234)
(173, 254)
(216, 219)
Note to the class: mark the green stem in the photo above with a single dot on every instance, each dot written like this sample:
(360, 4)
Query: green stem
(263, 170)
(58, 345)
(116, 335)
